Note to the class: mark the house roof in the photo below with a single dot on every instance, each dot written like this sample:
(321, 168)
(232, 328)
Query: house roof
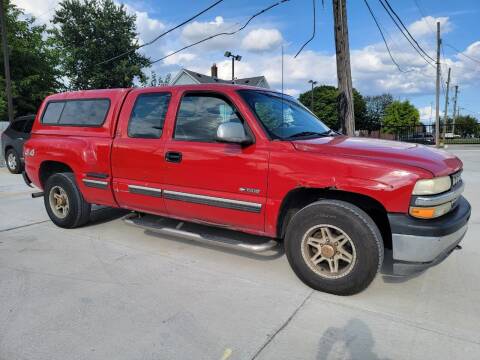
(205, 79)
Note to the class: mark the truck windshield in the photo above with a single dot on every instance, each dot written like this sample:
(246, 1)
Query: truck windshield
(284, 117)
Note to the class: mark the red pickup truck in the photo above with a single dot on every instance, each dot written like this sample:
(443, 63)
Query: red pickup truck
(255, 161)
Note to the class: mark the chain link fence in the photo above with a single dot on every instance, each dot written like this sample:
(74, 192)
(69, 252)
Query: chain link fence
(425, 134)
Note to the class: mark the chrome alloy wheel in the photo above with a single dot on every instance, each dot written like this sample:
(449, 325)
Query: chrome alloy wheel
(328, 251)
(12, 161)
(59, 202)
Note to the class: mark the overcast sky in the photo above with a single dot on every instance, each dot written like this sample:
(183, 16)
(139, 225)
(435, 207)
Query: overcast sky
(291, 24)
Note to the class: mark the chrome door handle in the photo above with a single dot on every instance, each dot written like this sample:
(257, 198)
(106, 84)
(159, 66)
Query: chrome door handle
(173, 156)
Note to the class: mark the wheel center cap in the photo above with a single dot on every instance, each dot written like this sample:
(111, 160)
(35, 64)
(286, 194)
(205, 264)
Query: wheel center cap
(328, 251)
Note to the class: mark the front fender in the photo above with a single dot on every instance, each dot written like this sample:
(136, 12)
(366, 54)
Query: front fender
(389, 184)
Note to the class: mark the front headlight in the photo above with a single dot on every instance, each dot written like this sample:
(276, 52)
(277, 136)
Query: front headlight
(432, 186)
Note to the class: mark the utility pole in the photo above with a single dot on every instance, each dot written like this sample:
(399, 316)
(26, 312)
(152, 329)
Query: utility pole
(454, 109)
(344, 74)
(445, 114)
(437, 91)
(6, 62)
(313, 84)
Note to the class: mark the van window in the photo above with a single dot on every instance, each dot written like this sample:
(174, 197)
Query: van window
(28, 126)
(200, 115)
(148, 115)
(88, 112)
(18, 125)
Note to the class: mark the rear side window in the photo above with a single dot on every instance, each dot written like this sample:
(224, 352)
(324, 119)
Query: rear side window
(148, 116)
(88, 112)
(18, 125)
(28, 126)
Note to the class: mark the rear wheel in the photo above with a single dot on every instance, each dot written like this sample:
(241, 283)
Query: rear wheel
(12, 159)
(334, 246)
(64, 202)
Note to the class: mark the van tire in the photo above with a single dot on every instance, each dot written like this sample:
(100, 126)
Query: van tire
(13, 161)
(63, 186)
(312, 235)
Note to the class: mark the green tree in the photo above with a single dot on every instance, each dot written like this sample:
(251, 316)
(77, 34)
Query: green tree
(466, 126)
(88, 32)
(325, 104)
(156, 80)
(400, 114)
(33, 63)
(375, 111)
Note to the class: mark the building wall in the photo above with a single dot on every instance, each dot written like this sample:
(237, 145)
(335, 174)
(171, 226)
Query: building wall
(184, 79)
(264, 84)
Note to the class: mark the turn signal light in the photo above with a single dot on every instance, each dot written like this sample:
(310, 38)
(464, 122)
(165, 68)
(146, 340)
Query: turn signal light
(422, 213)
(430, 212)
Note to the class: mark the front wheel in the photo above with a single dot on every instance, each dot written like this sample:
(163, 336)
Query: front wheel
(334, 246)
(64, 202)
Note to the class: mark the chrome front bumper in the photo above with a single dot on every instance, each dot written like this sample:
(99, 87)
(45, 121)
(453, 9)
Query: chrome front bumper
(424, 249)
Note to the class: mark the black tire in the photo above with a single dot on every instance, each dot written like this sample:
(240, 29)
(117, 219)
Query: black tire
(353, 222)
(78, 213)
(17, 168)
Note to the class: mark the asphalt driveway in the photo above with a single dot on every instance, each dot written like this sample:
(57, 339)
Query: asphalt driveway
(111, 291)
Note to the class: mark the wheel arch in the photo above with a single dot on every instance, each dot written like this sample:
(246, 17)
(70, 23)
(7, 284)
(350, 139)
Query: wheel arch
(49, 167)
(300, 197)
(5, 150)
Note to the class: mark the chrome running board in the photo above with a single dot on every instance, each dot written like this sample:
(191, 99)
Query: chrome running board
(201, 233)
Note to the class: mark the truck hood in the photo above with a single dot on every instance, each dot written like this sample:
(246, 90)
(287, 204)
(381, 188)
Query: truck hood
(438, 162)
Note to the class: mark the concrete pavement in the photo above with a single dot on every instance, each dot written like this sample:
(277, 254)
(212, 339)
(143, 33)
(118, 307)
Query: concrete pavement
(110, 291)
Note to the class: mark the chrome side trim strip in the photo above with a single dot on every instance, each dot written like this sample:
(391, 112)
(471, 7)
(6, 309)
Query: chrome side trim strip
(97, 175)
(435, 200)
(213, 201)
(145, 190)
(95, 183)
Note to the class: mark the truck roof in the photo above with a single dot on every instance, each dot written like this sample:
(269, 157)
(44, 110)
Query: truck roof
(112, 92)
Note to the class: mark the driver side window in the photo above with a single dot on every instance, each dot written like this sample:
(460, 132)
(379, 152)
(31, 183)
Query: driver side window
(200, 115)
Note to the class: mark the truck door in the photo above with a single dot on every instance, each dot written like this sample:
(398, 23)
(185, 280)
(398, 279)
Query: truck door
(138, 165)
(209, 181)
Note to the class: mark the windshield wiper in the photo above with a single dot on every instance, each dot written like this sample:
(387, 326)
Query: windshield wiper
(310, 133)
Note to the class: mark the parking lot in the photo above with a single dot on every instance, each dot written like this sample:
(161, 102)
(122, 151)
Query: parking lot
(112, 291)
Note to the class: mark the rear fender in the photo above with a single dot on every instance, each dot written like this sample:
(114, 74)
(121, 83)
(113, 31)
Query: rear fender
(84, 155)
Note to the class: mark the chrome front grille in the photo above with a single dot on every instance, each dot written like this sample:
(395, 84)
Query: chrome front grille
(456, 178)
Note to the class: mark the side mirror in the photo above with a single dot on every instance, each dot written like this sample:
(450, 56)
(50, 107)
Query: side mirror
(233, 132)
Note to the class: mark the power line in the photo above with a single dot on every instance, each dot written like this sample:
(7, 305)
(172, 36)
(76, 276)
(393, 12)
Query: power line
(476, 113)
(422, 11)
(461, 53)
(403, 33)
(222, 33)
(408, 32)
(384, 40)
(314, 29)
(162, 34)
